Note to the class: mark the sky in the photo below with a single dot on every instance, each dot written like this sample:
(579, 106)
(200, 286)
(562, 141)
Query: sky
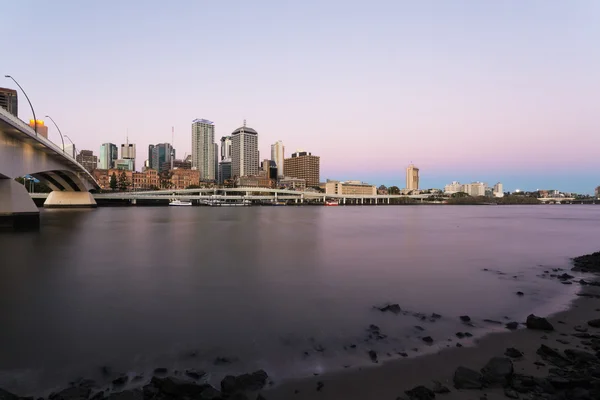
(472, 90)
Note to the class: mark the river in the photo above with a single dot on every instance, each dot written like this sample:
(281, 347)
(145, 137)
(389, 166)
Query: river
(279, 288)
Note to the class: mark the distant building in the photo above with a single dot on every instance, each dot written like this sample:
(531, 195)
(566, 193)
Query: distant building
(475, 189)
(42, 129)
(350, 188)
(226, 148)
(126, 164)
(269, 168)
(69, 149)
(88, 160)
(9, 101)
(224, 171)
(454, 187)
(303, 165)
(244, 152)
(159, 155)
(183, 178)
(292, 183)
(216, 162)
(179, 164)
(203, 148)
(108, 155)
(128, 153)
(278, 155)
(412, 177)
(498, 190)
(254, 181)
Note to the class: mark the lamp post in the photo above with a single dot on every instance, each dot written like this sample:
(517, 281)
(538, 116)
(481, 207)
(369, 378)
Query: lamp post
(27, 97)
(74, 150)
(59, 132)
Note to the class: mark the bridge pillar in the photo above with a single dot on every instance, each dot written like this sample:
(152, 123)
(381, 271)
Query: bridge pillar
(58, 199)
(17, 210)
(388, 200)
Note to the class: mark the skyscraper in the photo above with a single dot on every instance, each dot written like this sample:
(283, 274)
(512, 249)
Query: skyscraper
(278, 155)
(226, 148)
(244, 151)
(9, 101)
(412, 177)
(162, 154)
(108, 155)
(305, 166)
(42, 129)
(128, 153)
(203, 149)
(88, 160)
(149, 160)
(216, 161)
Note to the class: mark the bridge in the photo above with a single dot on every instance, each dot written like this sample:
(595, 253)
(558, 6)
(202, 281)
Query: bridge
(22, 152)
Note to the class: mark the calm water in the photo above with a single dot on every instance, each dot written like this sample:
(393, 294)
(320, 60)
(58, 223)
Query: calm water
(136, 288)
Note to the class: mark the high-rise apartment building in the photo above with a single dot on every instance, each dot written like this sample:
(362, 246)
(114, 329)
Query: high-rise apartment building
(244, 152)
(128, 153)
(498, 190)
(226, 148)
(216, 161)
(224, 171)
(303, 165)
(108, 155)
(278, 155)
(475, 189)
(42, 129)
(9, 101)
(203, 149)
(412, 177)
(88, 160)
(160, 155)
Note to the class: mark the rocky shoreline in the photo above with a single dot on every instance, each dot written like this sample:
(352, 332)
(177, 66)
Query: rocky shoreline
(562, 363)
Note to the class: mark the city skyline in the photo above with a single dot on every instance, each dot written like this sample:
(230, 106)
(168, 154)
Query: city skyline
(445, 86)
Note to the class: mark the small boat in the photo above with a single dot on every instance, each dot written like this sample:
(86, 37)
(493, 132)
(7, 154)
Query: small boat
(332, 203)
(180, 203)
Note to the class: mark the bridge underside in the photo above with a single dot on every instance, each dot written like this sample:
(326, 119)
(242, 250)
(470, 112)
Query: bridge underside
(17, 209)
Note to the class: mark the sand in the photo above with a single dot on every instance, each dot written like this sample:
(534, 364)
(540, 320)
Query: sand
(391, 379)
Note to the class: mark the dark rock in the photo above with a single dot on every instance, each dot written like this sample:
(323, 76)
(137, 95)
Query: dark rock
(562, 341)
(5, 395)
(544, 337)
(465, 318)
(513, 353)
(120, 381)
(520, 294)
(419, 328)
(595, 323)
(468, 334)
(498, 370)
(538, 323)
(237, 396)
(460, 335)
(511, 394)
(194, 374)
(436, 316)
(465, 378)
(160, 371)
(552, 356)
(222, 361)
(566, 282)
(253, 381)
(581, 356)
(105, 370)
(427, 339)
(137, 378)
(491, 321)
(459, 345)
(320, 386)
(539, 364)
(420, 393)
(135, 394)
(512, 325)
(394, 308)
(584, 335)
(565, 276)
(97, 396)
(579, 328)
(72, 393)
(260, 397)
(439, 388)
(373, 355)
(176, 387)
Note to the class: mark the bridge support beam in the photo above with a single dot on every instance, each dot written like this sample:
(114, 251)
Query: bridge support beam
(58, 199)
(17, 210)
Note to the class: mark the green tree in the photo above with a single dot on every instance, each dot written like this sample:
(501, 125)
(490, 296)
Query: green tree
(123, 182)
(113, 182)
(393, 190)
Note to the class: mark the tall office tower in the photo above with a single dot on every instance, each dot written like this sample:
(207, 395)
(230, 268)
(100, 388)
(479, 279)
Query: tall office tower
(162, 154)
(244, 152)
(412, 177)
(303, 165)
(9, 101)
(226, 148)
(128, 152)
(203, 149)
(149, 160)
(42, 129)
(278, 155)
(108, 155)
(216, 160)
(88, 160)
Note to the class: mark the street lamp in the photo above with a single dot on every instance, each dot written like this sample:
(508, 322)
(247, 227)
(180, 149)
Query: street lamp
(27, 97)
(59, 132)
(74, 150)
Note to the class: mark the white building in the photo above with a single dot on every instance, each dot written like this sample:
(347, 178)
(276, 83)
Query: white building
(244, 152)
(278, 155)
(128, 153)
(498, 190)
(475, 189)
(454, 187)
(203, 148)
(350, 188)
(226, 148)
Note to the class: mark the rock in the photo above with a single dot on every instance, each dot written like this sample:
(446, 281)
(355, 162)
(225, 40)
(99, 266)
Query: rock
(160, 371)
(419, 328)
(373, 355)
(427, 339)
(194, 374)
(581, 356)
(222, 361)
(237, 396)
(459, 345)
(498, 370)
(420, 393)
(511, 394)
(135, 394)
(512, 325)
(460, 335)
(492, 321)
(552, 356)
(539, 364)
(177, 387)
(439, 388)
(579, 328)
(465, 318)
(520, 294)
(538, 323)
(513, 353)
(253, 381)
(72, 393)
(403, 354)
(562, 341)
(394, 308)
(468, 334)
(595, 323)
(436, 316)
(5, 395)
(373, 328)
(98, 396)
(320, 386)
(565, 276)
(465, 378)
(120, 381)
